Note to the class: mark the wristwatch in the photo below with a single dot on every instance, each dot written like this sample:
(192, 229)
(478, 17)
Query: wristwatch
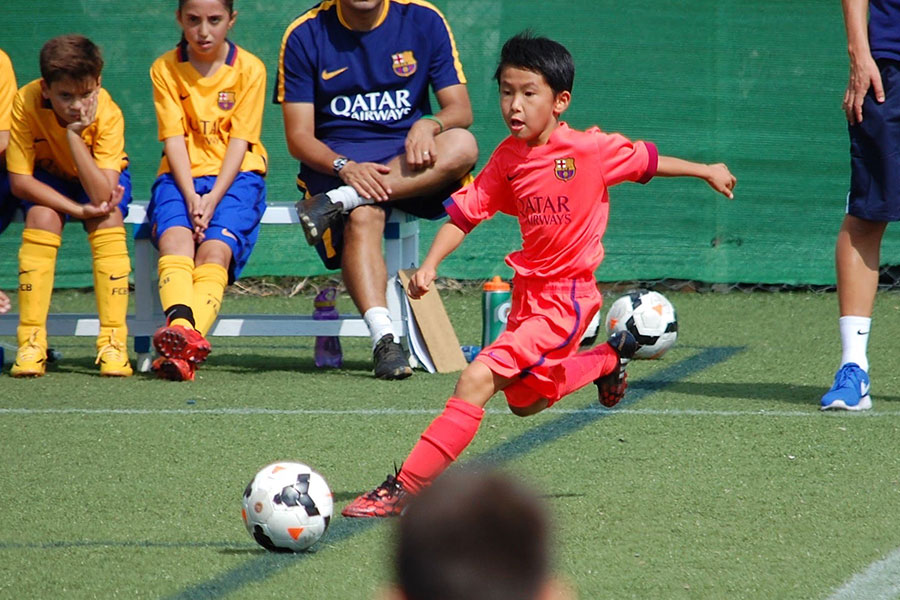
(339, 163)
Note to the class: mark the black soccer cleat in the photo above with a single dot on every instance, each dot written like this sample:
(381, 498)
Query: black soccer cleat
(611, 387)
(317, 213)
(390, 362)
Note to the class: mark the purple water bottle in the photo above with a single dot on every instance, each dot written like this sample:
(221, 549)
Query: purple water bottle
(328, 348)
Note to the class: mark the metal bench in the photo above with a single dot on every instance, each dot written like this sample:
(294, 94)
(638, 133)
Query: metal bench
(401, 248)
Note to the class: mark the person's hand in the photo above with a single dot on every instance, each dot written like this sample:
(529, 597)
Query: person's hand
(367, 179)
(421, 150)
(420, 281)
(88, 114)
(94, 211)
(864, 74)
(201, 213)
(5, 304)
(720, 179)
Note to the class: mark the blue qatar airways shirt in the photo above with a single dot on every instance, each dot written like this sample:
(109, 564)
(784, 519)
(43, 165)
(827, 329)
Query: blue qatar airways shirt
(367, 86)
(884, 28)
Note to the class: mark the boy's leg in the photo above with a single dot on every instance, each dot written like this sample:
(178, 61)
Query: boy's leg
(438, 447)
(37, 265)
(112, 266)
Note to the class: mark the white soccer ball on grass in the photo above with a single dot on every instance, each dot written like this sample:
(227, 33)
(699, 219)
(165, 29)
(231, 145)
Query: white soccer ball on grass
(287, 507)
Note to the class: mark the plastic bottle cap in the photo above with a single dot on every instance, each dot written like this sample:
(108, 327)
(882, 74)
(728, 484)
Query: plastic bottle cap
(496, 285)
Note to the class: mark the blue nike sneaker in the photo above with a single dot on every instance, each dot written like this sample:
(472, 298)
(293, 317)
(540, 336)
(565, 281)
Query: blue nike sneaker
(850, 390)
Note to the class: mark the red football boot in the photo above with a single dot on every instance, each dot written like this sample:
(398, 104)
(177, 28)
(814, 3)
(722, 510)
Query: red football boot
(387, 500)
(174, 369)
(177, 341)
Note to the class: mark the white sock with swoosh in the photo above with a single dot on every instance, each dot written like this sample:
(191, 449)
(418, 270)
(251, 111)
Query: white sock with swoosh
(854, 339)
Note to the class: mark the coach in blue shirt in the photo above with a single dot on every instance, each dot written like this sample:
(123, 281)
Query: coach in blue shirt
(353, 79)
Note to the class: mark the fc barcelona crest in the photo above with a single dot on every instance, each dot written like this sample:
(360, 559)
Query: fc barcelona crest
(226, 100)
(565, 168)
(404, 63)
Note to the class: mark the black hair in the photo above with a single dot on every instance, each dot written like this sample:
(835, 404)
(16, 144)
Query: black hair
(473, 536)
(539, 55)
(228, 4)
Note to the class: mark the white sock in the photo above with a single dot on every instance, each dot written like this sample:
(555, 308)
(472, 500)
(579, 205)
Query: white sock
(854, 339)
(347, 197)
(378, 319)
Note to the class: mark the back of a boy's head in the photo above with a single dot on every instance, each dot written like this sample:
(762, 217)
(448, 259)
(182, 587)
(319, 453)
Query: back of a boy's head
(72, 57)
(539, 55)
(473, 536)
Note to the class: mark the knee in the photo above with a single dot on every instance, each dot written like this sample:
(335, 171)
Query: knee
(365, 219)
(461, 150)
(521, 411)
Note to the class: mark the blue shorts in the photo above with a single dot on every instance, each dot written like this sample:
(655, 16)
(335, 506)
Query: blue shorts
(8, 202)
(235, 220)
(425, 207)
(875, 153)
(72, 189)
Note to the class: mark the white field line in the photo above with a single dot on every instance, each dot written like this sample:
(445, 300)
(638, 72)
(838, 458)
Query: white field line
(388, 412)
(880, 581)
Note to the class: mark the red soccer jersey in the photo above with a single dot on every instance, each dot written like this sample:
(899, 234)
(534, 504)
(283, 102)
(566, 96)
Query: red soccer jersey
(559, 193)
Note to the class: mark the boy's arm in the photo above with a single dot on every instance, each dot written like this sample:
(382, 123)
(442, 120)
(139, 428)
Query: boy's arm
(28, 188)
(448, 239)
(864, 73)
(717, 176)
(99, 184)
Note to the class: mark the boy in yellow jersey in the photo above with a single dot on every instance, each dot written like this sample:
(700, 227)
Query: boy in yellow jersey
(8, 202)
(210, 193)
(66, 159)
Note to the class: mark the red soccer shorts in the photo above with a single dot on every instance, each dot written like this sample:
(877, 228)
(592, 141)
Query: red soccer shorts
(546, 323)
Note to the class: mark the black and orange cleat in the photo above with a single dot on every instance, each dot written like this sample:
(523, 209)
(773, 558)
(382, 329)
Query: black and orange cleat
(387, 500)
(317, 214)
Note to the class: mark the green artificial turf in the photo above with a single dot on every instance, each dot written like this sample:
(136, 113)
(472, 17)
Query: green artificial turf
(717, 477)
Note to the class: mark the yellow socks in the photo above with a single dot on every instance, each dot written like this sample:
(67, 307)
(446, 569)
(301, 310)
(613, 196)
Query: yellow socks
(176, 289)
(111, 268)
(209, 287)
(37, 264)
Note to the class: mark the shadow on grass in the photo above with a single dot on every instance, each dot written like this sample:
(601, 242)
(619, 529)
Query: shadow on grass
(780, 392)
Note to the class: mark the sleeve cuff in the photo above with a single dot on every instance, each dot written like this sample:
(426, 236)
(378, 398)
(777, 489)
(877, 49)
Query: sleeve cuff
(652, 162)
(457, 217)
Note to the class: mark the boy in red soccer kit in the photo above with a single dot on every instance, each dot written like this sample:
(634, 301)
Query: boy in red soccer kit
(555, 180)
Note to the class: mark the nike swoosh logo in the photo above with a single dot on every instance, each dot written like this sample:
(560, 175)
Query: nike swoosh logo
(326, 75)
(28, 271)
(861, 332)
(114, 278)
(513, 176)
(184, 97)
(863, 389)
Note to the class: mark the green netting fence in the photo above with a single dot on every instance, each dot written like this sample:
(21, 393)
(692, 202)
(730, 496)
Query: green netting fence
(754, 83)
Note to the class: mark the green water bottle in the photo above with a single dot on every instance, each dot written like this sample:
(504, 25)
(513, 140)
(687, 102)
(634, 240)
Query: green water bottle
(495, 305)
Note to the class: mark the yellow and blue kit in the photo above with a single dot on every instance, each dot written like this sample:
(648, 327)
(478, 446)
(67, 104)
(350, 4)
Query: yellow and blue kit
(208, 112)
(38, 146)
(8, 87)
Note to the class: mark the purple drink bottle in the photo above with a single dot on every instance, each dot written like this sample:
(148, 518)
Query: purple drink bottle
(328, 348)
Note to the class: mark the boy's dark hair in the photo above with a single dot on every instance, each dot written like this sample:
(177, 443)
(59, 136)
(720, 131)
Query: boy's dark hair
(540, 55)
(70, 57)
(473, 536)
